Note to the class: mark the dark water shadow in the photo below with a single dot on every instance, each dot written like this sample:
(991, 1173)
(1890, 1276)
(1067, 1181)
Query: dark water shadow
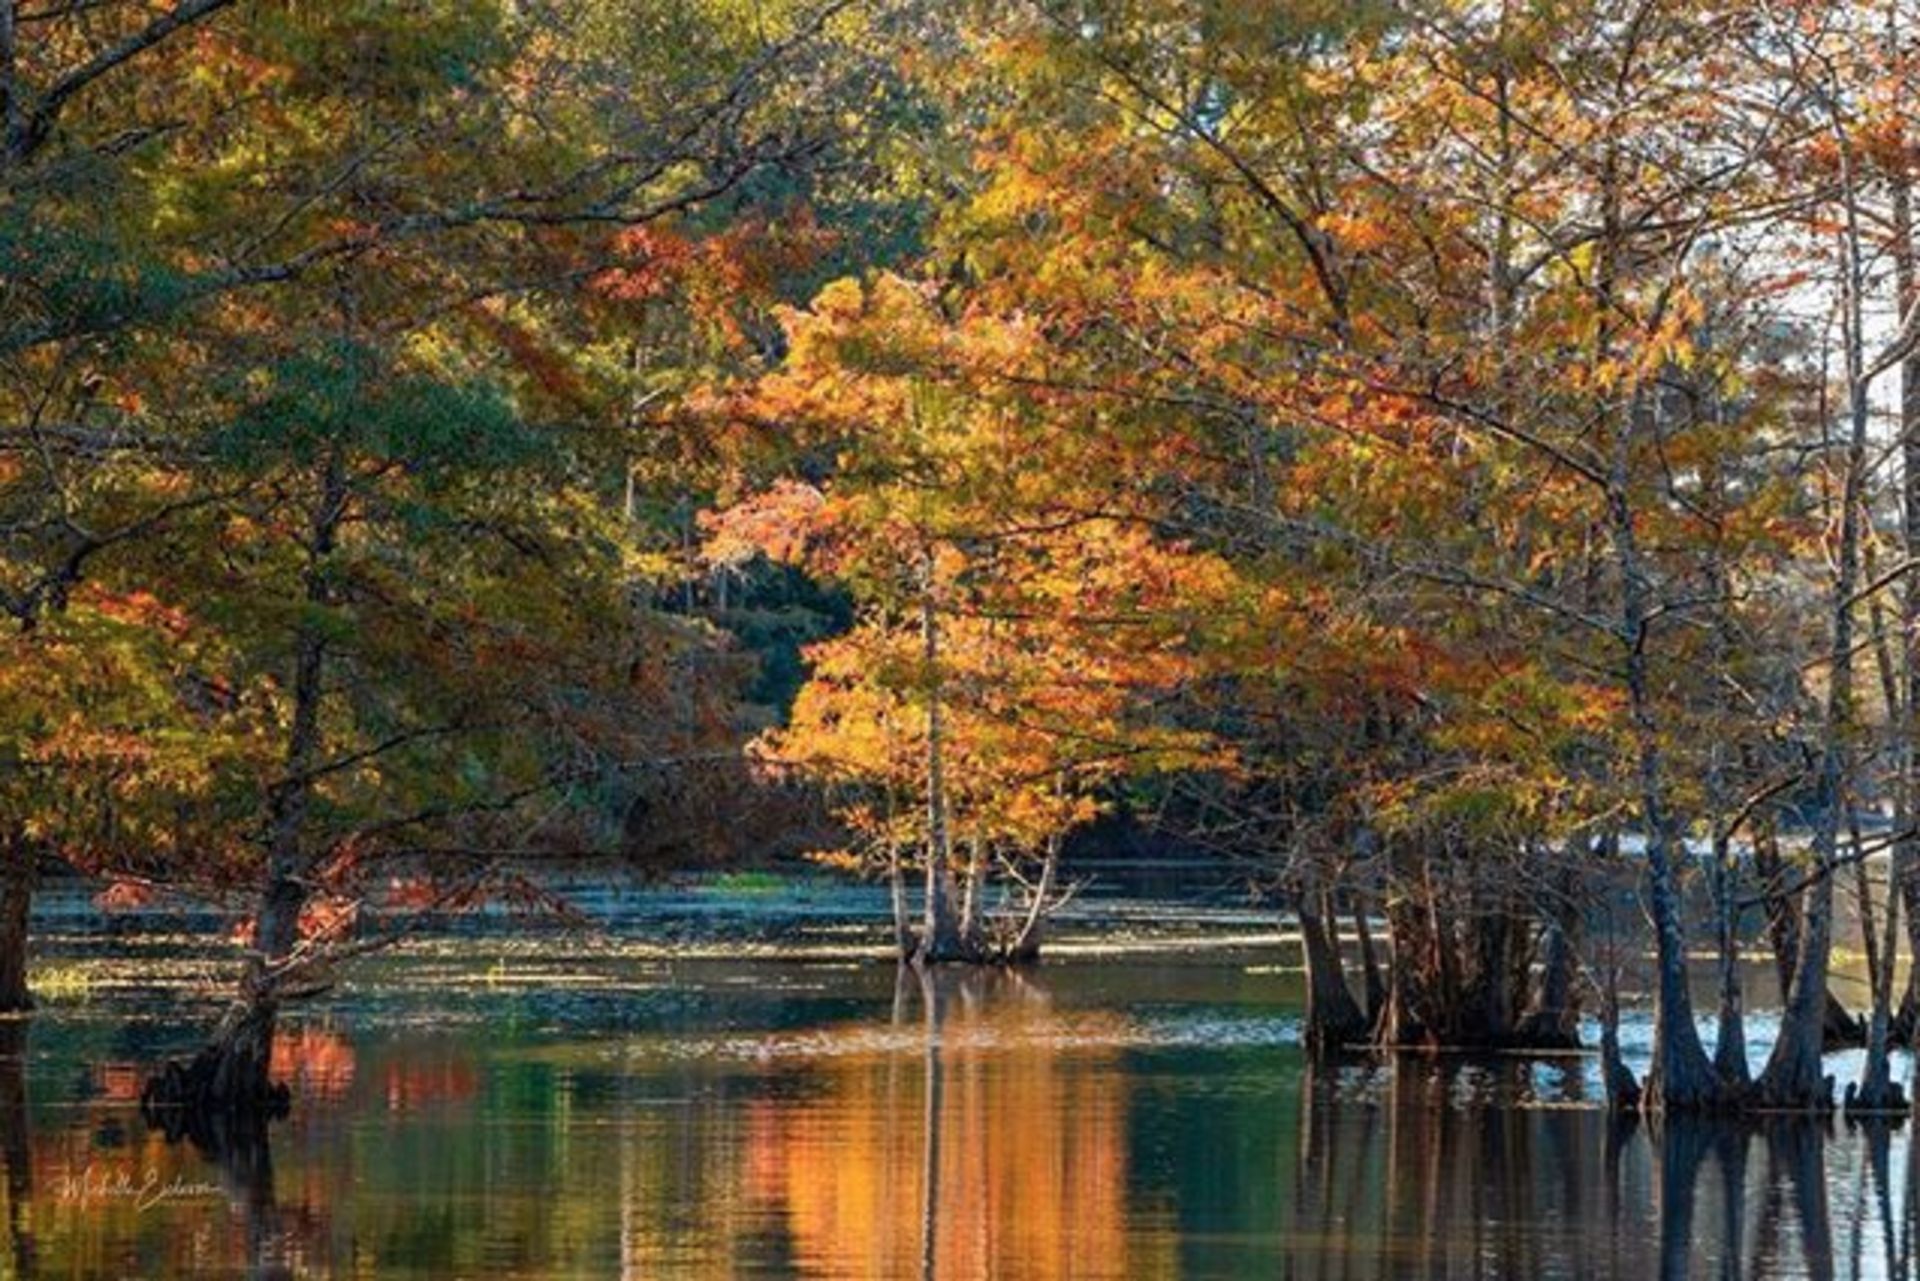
(16, 1144)
(239, 1145)
(1742, 1198)
(1456, 1168)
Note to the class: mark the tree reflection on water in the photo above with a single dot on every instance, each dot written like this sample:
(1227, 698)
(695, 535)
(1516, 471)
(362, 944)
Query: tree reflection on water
(954, 1125)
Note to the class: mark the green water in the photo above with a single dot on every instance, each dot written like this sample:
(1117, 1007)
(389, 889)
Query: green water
(459, 1115)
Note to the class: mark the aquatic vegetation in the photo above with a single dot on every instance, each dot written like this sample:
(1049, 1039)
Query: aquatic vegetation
(752, 882)
(62, 983)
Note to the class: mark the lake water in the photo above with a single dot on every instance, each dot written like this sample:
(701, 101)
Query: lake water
(461, 1113)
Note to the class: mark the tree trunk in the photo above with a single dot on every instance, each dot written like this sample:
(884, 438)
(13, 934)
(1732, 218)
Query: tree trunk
(1905, 875)
(1623, 1091)
(1783, 923)
(1723, 819)
(1682, 1077)
(940, 938)
(1488, 1013)
(1334, 1021)
(1375, 976)
(1499, 940)
(1413, 960)
(1863, 897)
(1906, 1021)
(1839, 1029)
(1026, 944)
(16, 906)
(227, 1088)
(232, 1073)
(1877, 1091)
(1554, 1021)
(897, 893)
(940, 924)
(1442, 977)
(972, 906)
(1403, 1023)
(1794, 1077)
(1730, 1039)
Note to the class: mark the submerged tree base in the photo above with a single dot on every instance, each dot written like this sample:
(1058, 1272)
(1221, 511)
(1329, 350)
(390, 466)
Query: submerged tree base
(238, 1140)
(975, 945)
(1549, 1030)
(1514, 1044)
(1840, 1028)
(980, 956)
(1888, 1101)
(197, 1088)
(1709, 1097)
(1531, 1035)
(230, 1077)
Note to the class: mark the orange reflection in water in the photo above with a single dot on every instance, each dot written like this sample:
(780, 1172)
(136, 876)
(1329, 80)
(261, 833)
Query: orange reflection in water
(316, 1063)
(981, 1136)
(406, 1085)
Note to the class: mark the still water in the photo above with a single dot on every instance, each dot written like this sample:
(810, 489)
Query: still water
(460, 1114)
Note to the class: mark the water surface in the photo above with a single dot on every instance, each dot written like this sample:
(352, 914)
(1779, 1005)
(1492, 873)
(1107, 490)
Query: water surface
(547, 1114)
